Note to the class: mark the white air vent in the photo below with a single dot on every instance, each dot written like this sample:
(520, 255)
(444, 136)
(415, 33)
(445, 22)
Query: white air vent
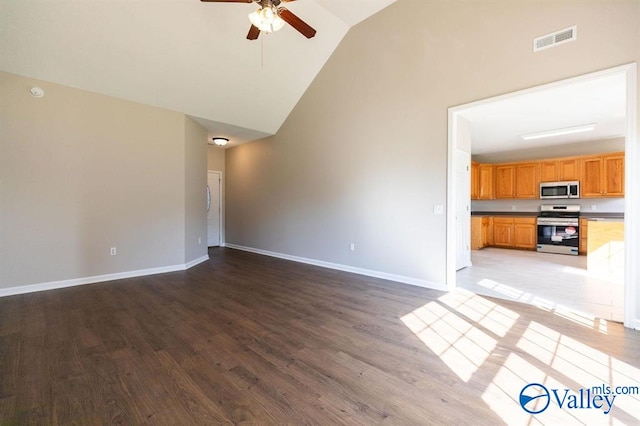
(554, 39)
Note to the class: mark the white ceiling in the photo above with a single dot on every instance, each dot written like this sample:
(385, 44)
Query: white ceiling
(183, 55)
(498, 126)
(192, 57)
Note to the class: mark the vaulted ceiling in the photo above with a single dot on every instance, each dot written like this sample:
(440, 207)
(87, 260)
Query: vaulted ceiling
(183, 55)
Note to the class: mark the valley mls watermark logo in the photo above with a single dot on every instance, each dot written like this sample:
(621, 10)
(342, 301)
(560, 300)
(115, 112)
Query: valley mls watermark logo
(536, 398)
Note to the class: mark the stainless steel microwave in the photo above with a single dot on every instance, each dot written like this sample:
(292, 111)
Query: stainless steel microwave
(549, 190)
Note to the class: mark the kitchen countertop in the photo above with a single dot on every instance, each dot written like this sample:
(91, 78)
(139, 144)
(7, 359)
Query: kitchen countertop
(596, 216)
(512, 214)
(586, 215)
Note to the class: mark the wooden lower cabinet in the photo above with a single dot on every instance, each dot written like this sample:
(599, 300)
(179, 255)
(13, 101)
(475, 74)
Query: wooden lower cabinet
(584, 229)
(525, 233)
(481, 234)
(503, 231)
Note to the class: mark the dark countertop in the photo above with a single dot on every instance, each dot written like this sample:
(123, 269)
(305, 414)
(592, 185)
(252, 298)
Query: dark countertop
(596, 215)
(512, 213)
(586, 215)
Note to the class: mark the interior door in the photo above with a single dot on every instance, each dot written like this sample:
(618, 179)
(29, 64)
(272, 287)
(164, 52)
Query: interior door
(463, 209)
(214, 181)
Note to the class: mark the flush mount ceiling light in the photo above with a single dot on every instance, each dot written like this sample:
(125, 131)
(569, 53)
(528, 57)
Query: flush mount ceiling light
(220, 141)
(559, 132)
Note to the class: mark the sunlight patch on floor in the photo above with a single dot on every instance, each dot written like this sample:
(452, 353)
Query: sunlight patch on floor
(558, 309)
(511, 292)
(464, 330)
(462, 346)
(581, 365)
(535, 278)
(492, 316)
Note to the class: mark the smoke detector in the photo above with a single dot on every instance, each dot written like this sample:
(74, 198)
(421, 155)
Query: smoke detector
(36, 92)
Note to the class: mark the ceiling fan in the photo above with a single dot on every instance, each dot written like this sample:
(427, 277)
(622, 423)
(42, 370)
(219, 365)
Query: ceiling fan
(271, 17)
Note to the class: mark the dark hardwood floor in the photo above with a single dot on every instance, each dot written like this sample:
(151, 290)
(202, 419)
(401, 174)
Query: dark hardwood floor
(250, 339)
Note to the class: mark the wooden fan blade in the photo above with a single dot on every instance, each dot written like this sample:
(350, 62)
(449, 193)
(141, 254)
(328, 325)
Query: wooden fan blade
(227, 1)
(297, 23)
(254, 32)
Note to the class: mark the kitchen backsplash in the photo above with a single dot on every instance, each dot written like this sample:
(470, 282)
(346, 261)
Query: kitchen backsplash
(602, 205)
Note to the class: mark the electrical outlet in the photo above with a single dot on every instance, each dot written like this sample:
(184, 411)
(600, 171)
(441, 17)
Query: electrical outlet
(199, 240)
(113, 251)
(352, 247)
(513, 208)
(594, 207)
(438, 209)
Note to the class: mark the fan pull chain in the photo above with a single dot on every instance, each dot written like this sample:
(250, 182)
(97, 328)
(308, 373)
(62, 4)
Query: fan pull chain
(262, 52)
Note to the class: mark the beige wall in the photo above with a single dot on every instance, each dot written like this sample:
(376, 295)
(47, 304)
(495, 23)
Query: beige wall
(195, 184)
(363, 156)
(82, 172)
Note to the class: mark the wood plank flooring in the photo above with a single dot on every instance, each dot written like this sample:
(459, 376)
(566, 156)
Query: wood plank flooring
(248, 339)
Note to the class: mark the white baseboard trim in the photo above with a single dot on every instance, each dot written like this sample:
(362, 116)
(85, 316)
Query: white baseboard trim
(361, 271)
(195, 262)
(11, 291)
(635, 324)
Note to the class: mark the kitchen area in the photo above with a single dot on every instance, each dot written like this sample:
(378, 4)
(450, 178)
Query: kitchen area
(547, 199)
(550, 231)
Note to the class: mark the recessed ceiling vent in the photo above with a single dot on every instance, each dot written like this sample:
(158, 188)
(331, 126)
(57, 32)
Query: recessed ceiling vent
(554, 39)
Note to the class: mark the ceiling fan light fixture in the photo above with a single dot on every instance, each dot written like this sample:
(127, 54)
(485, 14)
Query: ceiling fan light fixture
(220, 141)
(278, 23)
(267, 19)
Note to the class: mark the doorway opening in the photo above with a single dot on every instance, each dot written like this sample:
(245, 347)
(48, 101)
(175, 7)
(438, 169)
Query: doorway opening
(214, 211)
(632, 180)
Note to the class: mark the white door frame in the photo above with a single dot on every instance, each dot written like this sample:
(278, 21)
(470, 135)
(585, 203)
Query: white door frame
(632, 184)
(467, 210)
(209, 172)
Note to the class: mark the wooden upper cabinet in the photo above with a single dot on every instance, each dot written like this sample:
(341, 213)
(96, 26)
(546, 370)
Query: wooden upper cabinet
(591, 182)
(602, 176)
(485, 182)
(599, 175)
(613, 176)
(569, 169)
(505, 186)
(519, 180)
(527, 183)
(559, 170)
(549, 171)
(475, 183)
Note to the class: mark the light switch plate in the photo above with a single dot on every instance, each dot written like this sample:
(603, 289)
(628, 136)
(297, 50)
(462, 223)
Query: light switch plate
(438, 209)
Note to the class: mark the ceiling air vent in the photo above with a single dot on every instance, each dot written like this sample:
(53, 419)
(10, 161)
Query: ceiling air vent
(554, 39)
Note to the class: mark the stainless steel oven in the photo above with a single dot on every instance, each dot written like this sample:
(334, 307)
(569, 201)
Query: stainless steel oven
(559, 229)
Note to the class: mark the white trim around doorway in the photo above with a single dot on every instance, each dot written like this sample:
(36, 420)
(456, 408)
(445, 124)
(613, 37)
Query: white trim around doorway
(632, 183)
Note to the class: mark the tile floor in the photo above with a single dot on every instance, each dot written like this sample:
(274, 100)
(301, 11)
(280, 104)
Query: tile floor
(552, 281)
